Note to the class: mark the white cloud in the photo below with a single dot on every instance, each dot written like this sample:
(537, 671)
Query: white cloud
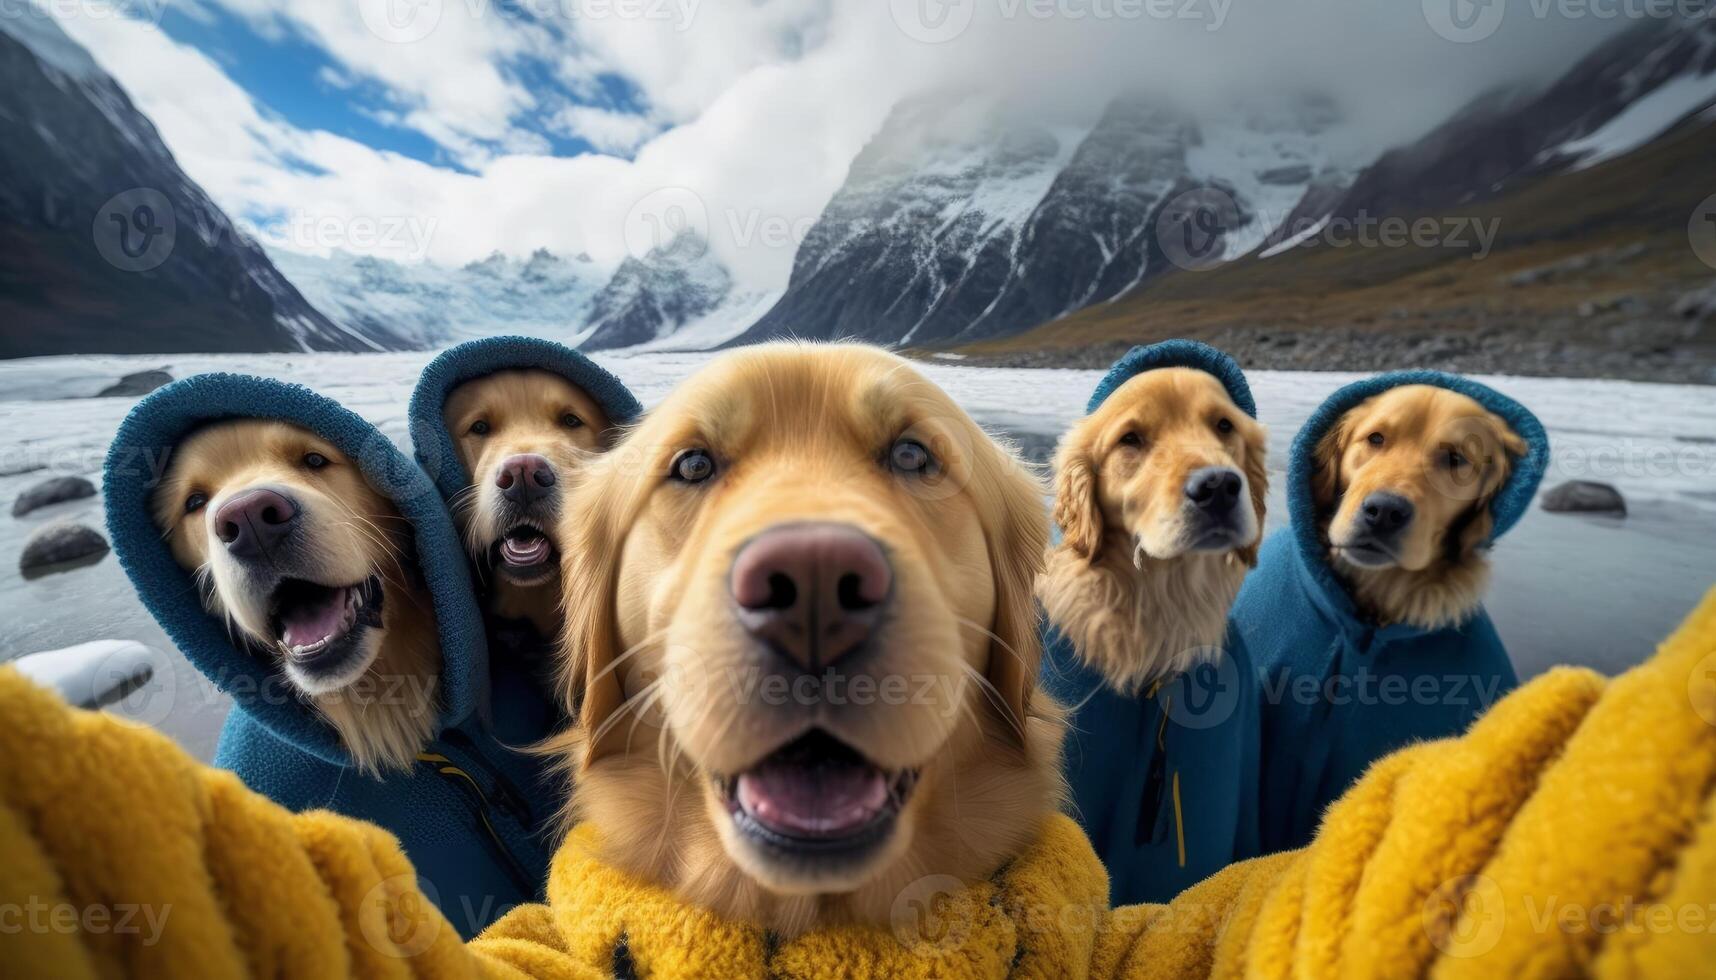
(608, 131)
(765, 103)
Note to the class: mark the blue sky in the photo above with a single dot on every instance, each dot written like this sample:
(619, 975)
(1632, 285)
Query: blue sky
(309, 89)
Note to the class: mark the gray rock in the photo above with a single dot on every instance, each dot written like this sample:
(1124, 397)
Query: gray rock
(1697, 304)
(1585, 497)
(137, 383)
(56, 490)
(61, 544)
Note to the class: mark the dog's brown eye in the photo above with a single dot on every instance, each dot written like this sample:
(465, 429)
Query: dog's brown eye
(1225, 426)
(909, 456)
(1455, 460)
(1375, 439)
(1132, 439)
(571, 421)
(693, 466)
(196, 502)
(479, 428)
(315, 461)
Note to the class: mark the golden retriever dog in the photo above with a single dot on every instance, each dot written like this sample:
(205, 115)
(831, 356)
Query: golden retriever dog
(801, 642)
(311, 565)
(1159, 495)
(520, 434)
(1403, 484)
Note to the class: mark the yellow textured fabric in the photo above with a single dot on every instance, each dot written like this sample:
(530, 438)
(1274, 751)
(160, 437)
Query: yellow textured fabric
(1570, 832)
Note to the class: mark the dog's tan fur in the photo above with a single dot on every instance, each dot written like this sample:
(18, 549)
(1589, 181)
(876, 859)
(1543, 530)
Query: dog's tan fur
(1443, 568)
(1121, 586)
(526, 411)
(386, 715)
(804, 433)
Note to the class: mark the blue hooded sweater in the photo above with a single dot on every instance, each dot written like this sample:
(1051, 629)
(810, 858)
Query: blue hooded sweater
(1164, 782)
(1340, 692)
(474, 812)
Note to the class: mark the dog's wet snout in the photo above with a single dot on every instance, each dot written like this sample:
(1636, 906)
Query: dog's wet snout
(525, 478)
(813, 592)
(1214, 490)
(255, 521)
(1385, 514)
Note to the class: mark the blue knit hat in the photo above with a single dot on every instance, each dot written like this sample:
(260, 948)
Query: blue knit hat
(1176, 353)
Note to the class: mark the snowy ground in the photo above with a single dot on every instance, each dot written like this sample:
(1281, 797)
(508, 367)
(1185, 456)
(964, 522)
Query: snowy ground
(1567, 590)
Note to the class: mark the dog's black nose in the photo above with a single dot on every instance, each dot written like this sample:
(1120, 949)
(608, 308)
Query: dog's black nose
(1385, 514)
(1214, 489)
(525, 478)
(814, 592)
(255, 521)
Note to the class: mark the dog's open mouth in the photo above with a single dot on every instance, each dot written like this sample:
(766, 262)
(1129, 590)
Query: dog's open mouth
(318, 626)
(525, 555)
(816, 795)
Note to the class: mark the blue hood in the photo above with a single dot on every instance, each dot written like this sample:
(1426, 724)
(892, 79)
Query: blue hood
(139, 456)
(1508, 506)
(477, 358)
(1176, 353)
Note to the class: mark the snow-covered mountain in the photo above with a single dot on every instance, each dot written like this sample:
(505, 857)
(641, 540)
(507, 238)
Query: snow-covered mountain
(428, 305)
(1624, 94)
(108, 246)
(649, 298)
(956, 223)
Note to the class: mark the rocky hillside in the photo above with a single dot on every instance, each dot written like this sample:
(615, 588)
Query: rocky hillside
(1587, 190)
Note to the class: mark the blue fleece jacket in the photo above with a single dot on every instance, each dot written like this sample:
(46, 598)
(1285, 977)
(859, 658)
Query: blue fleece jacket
(474, 812)
(1163, 781)
(1339, 691)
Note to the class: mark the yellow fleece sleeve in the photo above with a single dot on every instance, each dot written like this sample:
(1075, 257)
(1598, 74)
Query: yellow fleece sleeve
(122, 856)
(1571, 832)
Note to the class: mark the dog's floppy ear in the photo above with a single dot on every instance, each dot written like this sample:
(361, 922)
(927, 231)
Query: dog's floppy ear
(589, 575)
(1326, 464)
(1017, 533)
(1077, 511)
(1257, 479)
(1479, 521)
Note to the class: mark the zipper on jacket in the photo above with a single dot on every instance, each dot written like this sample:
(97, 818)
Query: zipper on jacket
(1149, 829)
(507, 794)
(474, 794)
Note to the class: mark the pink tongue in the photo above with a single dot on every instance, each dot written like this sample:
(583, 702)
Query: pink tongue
(533, 552)
(813, 802)
(308, 624)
